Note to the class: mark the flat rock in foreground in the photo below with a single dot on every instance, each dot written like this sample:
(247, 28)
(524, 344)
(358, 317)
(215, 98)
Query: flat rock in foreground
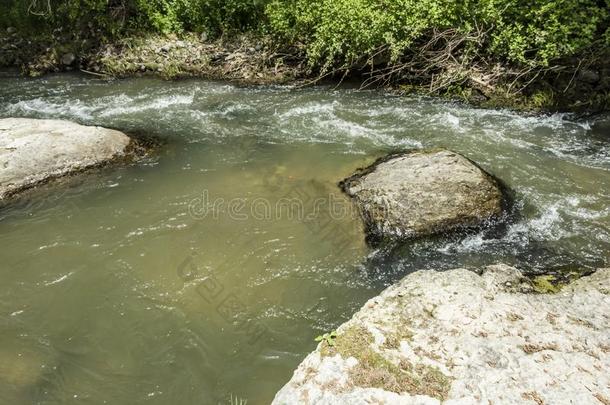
(455, 337)
(422, 193)
(33, 151)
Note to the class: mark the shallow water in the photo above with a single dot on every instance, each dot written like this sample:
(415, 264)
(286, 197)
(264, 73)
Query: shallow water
(188, 277)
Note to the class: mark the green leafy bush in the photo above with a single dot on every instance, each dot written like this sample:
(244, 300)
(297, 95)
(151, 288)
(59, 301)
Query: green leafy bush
(346, 30)
(532, 32)
(338, 33)
(537, 32)
(78, 16)
(118, 16)
(218, 16)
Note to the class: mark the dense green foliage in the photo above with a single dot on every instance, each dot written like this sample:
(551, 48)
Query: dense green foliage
(79, 16)
(530, 32)
(340, 32)
(210, 16)
(116, 17)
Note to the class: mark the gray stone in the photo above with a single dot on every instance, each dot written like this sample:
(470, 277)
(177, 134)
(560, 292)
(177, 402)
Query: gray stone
(482, 339)
(11, 30)
(68, 59)
(33, 151)
(422, 193)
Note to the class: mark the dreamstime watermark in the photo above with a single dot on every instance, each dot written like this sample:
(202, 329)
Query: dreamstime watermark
(322, 216)
(327, 217)
(330, 217)
(295, 206)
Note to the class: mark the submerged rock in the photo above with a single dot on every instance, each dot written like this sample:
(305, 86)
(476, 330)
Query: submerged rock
(460, 338)
(24, 368)
(422, 193)
(21, 370)
(33, 151)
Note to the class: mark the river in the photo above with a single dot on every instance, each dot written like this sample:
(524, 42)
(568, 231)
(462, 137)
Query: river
(191, 277)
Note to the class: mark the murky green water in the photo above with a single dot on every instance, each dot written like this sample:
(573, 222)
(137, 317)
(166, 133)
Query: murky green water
(187, 279)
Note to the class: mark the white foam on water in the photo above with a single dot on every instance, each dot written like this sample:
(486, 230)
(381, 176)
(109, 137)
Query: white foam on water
(581, 152)
(58, 280)
(158, 103)
(400, 112)
(500, 136)
(471, 243)
(104, 107)
(74, 109)
(230, 111)
(311, 109)
(547, 226)
(452, 120)
(551, 224)
(324, 122)
(584, 213)
(508, 122)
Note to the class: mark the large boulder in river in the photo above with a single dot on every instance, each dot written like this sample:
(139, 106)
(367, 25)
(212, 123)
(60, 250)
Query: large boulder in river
(456, 337)
(422, 193)
(33, 151)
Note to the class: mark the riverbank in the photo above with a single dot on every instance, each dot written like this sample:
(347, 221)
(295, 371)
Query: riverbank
(244, 59)
(259, 60)
(459, 337)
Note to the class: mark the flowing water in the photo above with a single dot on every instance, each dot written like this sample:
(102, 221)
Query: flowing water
(191, 277)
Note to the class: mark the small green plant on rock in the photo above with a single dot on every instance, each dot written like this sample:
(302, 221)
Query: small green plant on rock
(329, 338)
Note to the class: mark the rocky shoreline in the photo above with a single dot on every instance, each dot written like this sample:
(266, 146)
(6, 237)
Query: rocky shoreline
(457, 337)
